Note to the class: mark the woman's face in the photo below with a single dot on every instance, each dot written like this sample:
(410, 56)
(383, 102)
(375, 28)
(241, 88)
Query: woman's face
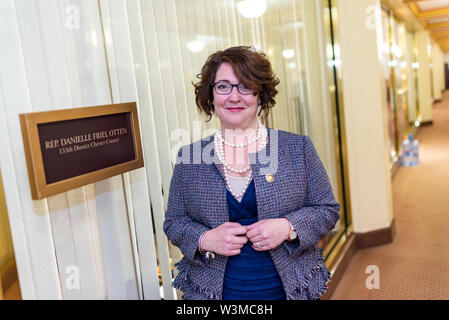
(235, 110)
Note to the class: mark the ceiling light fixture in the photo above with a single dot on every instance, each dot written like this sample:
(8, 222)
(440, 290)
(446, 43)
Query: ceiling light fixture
(252, 8)
(195, 46)
(288, 53)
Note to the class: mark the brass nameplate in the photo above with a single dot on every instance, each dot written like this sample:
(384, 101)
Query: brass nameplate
(69, 148)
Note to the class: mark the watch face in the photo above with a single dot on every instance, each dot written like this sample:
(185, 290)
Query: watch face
(293, 235)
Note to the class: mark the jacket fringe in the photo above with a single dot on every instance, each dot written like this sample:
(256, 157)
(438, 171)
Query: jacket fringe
(314, 294)
(183, 283)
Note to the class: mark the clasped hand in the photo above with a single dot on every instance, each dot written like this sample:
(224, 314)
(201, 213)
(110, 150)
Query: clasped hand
(229, 238)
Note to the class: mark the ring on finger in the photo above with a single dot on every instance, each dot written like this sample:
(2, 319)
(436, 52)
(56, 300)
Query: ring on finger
(258, 245)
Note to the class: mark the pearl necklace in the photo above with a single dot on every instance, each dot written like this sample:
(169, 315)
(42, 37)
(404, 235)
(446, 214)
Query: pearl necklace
(260, 128)
(220, 152)
(262, 135)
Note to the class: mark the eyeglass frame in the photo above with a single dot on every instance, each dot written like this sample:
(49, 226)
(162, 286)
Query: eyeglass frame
(232, 87)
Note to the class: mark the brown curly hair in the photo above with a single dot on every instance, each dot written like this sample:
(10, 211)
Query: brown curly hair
(251, 67)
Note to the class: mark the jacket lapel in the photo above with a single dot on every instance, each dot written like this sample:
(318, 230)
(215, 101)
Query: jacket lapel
(266, 164)
(221, 212)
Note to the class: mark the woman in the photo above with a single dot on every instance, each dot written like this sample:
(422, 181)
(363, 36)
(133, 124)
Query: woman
(248, 231)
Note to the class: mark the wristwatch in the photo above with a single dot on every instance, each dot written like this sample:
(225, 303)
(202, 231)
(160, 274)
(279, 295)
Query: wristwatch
(208, 254)
(292, 235)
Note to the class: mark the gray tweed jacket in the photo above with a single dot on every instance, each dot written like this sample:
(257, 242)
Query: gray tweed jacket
(300, 192)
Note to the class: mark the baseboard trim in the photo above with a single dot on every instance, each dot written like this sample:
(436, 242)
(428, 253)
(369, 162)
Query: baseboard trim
(395, 168)
(376, 237)
(357, 241)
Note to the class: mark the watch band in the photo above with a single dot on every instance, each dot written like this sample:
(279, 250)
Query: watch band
(209, 255)
(292, 230)
(291, 227)
(200, 242)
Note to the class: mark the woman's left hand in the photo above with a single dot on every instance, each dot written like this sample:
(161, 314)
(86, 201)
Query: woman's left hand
(268, 234)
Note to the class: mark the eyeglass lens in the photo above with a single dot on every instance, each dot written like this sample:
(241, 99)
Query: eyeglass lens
(222, 87)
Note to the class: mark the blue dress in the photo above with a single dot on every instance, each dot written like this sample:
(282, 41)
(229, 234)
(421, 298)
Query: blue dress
(251, 275)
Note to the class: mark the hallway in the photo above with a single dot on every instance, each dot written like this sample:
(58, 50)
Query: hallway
(416, 264)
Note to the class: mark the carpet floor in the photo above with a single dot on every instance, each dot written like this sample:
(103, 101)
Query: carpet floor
(416, 264)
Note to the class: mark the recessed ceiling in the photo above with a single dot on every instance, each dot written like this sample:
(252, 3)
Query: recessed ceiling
(438, 20)
(432, 4)
(434, 16)
(426, 5)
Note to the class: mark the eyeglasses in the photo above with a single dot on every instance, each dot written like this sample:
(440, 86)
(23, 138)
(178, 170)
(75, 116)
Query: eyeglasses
(223, 87)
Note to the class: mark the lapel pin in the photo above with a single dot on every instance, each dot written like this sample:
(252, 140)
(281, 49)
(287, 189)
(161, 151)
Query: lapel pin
(269, 178)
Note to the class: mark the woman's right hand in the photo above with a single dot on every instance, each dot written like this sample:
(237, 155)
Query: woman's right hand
(226, 239)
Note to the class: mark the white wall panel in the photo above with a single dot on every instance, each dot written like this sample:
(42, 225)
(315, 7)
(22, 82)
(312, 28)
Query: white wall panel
(217, 10)
(115, 237)
(30, 224)
(161, 131)
(111, 207)
(73, 238)
(188, 22)
(165, 64)
(86, 240)
(176, 63)
(123, 68)
(68, 19)
(53, 66)
(188, 75)
(157, 92)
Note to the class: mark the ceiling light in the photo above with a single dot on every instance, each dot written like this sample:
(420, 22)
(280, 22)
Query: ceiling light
(288, 53)
(252, 8)
(195, 46)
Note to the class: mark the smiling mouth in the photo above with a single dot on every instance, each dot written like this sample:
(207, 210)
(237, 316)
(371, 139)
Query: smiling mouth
(235, 109)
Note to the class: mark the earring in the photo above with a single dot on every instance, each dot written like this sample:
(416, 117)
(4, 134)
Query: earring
(259, 109)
